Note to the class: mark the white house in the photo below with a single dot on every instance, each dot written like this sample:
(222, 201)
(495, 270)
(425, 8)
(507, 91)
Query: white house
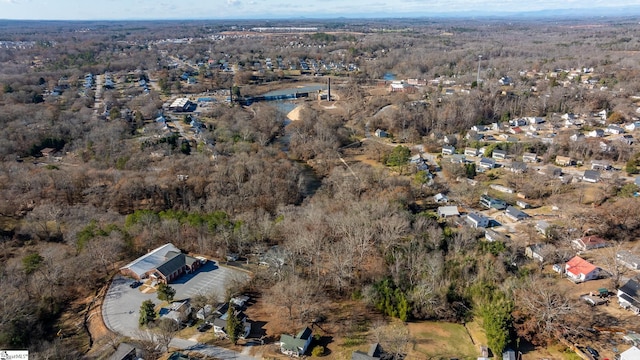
(579, 269)
(499, 154)
(614, 129)
(595, 133)
(448, 150)
(632, 126)
(477, 220)
(629, 296)
(529, 157)
(487, 163)
(471, 151)
(440, 198)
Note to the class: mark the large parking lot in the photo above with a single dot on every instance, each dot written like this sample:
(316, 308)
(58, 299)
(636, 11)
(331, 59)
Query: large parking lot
(121, 305)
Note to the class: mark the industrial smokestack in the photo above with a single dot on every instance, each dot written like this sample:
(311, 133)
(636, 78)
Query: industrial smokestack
(329, 90)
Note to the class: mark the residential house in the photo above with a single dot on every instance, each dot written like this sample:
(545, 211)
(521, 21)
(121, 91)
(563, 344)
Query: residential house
(125, 351)
(518, 167)
(626, 139)
(537, 251)
(595, 133)
(165, 264)
(448, 211)
(374, 353)
(471, 151)
(473, 136)
(576, 137)
(518, 122)
(516, 130)
(600, 165)
(489, 202)
(629, 296)
(515, 214)
(479, 128)
(440, 198)
(589, 243)
(579, 269)
(505, 81)
(487, 163)
(458, 159)
(633, 353)
(492, 236)
(535, 120)
(632, 126)
(564, 161)
(522, 204)
(448, 150)
(592, 176)
(220, 323)
(553, 171)
(381, 133)
(178, 311)
(542, 227)
(605, 146)
(628, 259)
(296, 345)
(529, 157)
(614, 129)
(450, 139)
(499, 154)
(477, 220)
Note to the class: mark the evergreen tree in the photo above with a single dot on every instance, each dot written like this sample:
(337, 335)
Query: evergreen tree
(234, 326)
(147, 312)
(166, 292)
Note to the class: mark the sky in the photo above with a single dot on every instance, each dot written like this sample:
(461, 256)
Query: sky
(265, 9)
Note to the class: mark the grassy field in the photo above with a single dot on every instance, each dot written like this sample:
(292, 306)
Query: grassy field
(440, 340)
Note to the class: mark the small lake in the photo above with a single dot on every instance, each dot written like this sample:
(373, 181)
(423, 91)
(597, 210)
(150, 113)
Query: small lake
(389, 76)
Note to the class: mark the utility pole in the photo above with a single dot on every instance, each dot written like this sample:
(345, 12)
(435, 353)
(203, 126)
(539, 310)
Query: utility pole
(478, 77)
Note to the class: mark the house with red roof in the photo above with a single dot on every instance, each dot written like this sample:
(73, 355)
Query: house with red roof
(579, 269)
(590, 243)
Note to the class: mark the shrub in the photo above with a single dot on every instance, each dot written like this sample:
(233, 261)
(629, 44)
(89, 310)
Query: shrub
(317, 351)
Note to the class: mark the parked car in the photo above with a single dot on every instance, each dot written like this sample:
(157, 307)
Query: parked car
(204, 327)
(592, 351)
(135, 284)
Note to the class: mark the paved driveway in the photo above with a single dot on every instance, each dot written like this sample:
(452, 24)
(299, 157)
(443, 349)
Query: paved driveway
(121, 306)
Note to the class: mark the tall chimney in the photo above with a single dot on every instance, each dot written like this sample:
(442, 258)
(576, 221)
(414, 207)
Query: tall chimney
(329, 90)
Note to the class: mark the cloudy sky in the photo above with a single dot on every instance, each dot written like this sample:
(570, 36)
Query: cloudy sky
(242, 9)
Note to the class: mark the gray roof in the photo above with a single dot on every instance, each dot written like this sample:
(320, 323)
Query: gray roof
(516, 213)
(375, 352)
(151, 260)
(476, 217)
(592, 174)
(448, 211)
(632, 288)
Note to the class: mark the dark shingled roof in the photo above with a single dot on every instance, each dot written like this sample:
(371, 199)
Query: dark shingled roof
(171, 265)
